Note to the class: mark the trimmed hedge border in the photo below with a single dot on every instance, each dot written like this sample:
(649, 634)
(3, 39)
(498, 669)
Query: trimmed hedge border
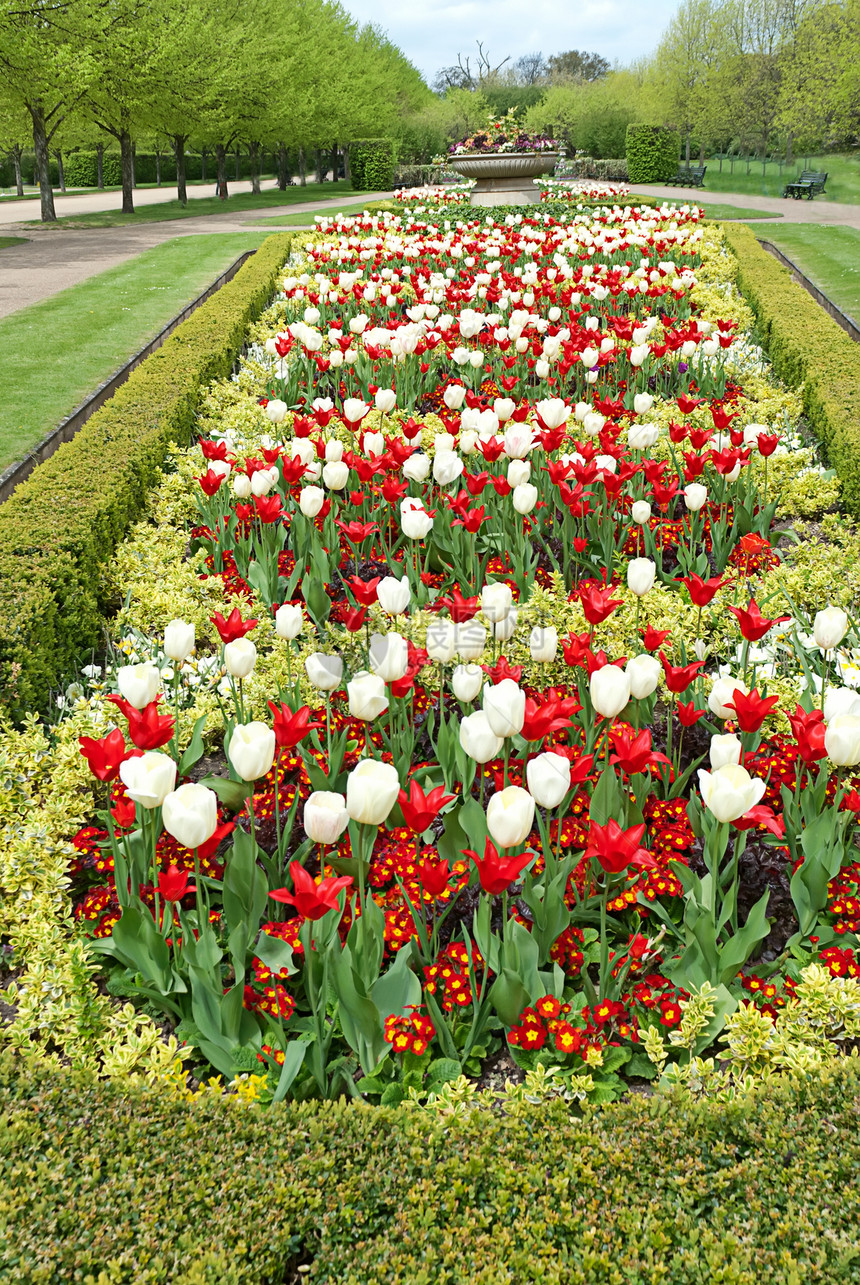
(61, 525)
(105, 1185)
(806, 347)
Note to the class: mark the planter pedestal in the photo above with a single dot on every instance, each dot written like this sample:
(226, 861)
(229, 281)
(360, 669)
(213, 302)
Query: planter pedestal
(504, 178)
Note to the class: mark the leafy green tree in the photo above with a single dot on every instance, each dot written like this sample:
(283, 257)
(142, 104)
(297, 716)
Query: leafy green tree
(577, 64)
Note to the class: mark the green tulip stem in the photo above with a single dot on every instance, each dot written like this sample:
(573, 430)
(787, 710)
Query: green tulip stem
(604, 939)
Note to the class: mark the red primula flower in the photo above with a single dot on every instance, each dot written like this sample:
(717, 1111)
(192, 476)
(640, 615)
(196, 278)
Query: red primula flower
(497, 873)
(233, 627)
(311, 900)
(291, 728)
(104, 756)
(420, 809)
(616, 849)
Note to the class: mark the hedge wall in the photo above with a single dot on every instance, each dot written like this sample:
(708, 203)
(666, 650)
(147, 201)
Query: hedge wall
(653, 152)
(108, 1186)
(806, 347)
(60, 526)
(371, 164)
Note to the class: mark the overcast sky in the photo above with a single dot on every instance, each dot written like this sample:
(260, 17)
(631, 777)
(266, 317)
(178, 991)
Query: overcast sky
(431, 35)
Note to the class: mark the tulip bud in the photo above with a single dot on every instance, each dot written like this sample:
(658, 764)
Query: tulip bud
(447, 467)
(385, 400)
(641, 573)
(324, 671)
(519, 472)
(276, 410)
(311, 500)
(841, 740)
(643, 673)
(371, 791)
(695, 496)
(240, 657)
(640, 512)
(415, 521)
(138, 684)
(252, 750)
(504, 630)
(829, 628)
(471, 640)
(179, 640)
(325, 817)
(524, 497)
(478, 739)
(393, 595)
(721, 693)
(441, 641)
(467, 681)
(729, 792)
(288, 621)
(241, 486)
(148, 779)
(496, 600)
(366, 692)
(191, 815)
(417, 467)
(505, 707)
(510, 815)
(609, 689)
(724, 749)
(548, 777)
(543, 644)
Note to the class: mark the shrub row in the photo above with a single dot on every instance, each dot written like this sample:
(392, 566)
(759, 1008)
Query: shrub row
(653, 152)
(95, 1179)
(806, 347)
(60, 526)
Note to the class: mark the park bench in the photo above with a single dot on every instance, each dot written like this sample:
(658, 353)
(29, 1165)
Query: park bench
(809, 183)
(690, 176)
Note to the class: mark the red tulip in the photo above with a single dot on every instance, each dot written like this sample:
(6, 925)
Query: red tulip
(291, 728)
(808, 730)
(364, 591)
(497, 873)
(598, 604)
(420, 809)
(688, 714)
(460, 609)
(355, 532)
(434, 876)
(210, 482)
(634, 753)
(702, 591)
(269, 508)
(752, 623)
(147, 729)
(311, 900)
(104, 756)
(233, 627)
(616, 849)
(752, 709)
(173, 884)
(679, 678)
(551, 716)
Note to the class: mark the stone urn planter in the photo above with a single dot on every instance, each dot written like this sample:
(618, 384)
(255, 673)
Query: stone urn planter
(504, 178)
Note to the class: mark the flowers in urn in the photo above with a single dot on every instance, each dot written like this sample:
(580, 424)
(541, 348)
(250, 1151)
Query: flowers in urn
(504, 134)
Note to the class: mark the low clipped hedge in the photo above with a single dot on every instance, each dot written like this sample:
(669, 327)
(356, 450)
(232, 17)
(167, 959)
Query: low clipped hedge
(60, 526)
(806, 347)
(653, 152)
(108, 1186)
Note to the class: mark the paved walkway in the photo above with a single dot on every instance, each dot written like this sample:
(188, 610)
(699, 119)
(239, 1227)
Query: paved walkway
(55, 258)
(804, 211)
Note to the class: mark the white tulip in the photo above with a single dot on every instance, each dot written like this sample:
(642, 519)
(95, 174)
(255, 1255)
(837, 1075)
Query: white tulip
(366, 692)
(138, 684)
(148, 779)
(609, 689)
(289, 621)
(478, 739)
(643, 673)
(324, 671)
(325, 817)
(467, 681)
(543, 644)
(548, 777)
(191, 815)
(505, 707)
(371, 791)
(729, 792)
(724, 749)
(641, 574)
(240, 657)
(179, 640)
(510, 816)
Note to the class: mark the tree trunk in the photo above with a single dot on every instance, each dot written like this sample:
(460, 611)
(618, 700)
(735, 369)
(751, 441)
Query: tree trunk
(158, 166)
(178, 144)
(43, 168)
(238, 163)
(254, 153)
(320, 165)
(16, 161)
(789, 148)
(203, 164)
(221, 163)
(303, 178)
(347, 173)
(61, 173)
(100, 165)
(126, 156)
(282, 167)
(334, 163)
(701, 153)
(133, 165)
(689, 131)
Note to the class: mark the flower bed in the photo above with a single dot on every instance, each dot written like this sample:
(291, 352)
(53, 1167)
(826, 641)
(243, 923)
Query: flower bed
(480, 710)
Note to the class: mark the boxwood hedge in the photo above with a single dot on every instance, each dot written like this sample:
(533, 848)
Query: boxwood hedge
(106, 1186)
(60, 526)
(807, 348)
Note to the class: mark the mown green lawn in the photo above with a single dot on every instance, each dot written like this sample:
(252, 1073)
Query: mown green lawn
(171, 209)
(306, 219)
(829, 256)
(843, 181)
(716, 210)
(56, 352)
(6, 242)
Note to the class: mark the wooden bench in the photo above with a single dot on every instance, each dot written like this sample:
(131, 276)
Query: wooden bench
(809, 183)
(693, 176)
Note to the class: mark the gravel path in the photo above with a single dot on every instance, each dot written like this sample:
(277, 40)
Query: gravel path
(54, 259)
